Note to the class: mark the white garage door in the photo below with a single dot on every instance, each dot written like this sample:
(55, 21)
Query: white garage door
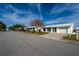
(63, 30)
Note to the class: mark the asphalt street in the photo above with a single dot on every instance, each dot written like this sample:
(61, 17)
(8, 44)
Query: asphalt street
(24, 44)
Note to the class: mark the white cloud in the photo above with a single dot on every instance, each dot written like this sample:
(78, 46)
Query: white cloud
(58, 20)
(30, 15)
(74, 18)
(38, 7)
(58, 9)
(22, 20)
(13, 8)
(15, 16)
(70, 19)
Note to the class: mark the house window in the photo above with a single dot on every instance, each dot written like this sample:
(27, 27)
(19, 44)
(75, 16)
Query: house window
(49, 29)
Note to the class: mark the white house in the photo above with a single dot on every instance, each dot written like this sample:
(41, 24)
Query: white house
(59, 28)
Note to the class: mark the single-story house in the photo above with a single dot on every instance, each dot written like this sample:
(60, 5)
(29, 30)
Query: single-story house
(59, 28)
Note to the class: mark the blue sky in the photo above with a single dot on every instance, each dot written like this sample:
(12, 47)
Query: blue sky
(49, 13)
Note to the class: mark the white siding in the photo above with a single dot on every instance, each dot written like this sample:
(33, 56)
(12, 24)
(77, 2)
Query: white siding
(62, 30)
(70, 29)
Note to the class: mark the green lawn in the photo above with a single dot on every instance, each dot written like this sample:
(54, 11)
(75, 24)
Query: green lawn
(38, 33)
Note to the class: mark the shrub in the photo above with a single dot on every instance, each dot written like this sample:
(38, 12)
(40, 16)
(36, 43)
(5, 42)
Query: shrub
(32, 31)
(70, 37)
(41, 33)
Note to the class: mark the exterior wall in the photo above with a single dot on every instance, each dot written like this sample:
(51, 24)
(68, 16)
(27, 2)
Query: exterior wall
(62, 30)
(57, 30)
(42, 30)
(37, 29)
(68, 29)
(51, 29)
(46, 30)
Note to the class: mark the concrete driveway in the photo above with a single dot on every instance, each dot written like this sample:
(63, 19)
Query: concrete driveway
(54, 36)
(24, 44)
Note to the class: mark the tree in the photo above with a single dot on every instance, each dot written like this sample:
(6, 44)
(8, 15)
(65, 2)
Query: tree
(2, 26)
(38, 24)
(17, 27)
(11, 28)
